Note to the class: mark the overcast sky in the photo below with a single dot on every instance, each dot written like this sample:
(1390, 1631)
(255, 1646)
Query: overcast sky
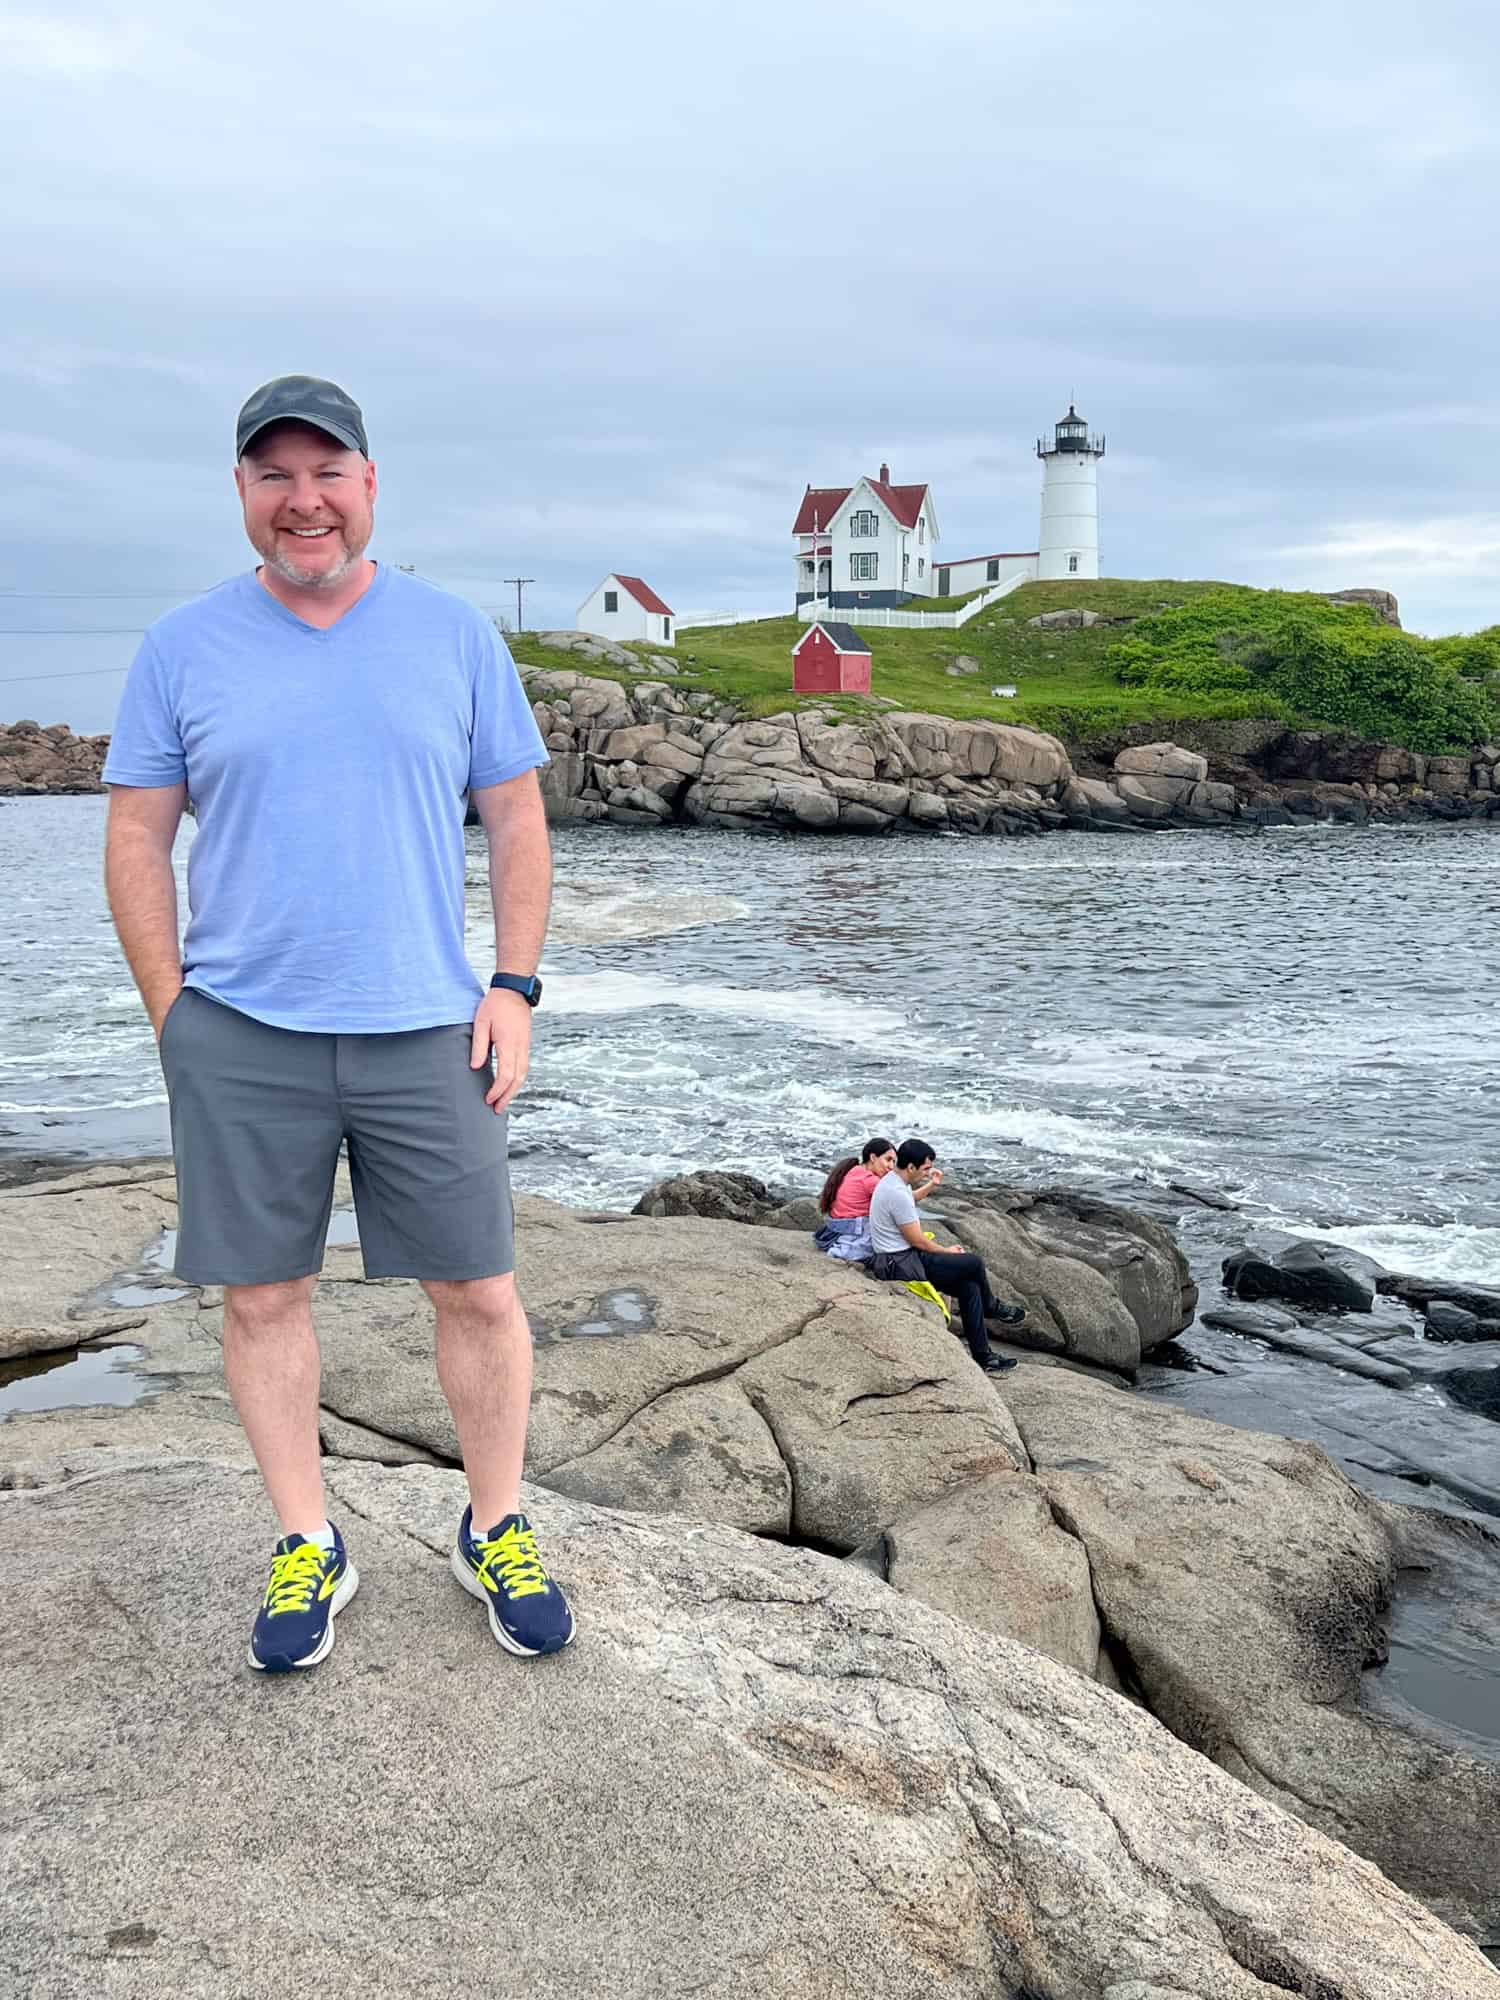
(613, 283)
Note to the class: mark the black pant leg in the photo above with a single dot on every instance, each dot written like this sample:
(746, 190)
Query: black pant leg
(961, 1277)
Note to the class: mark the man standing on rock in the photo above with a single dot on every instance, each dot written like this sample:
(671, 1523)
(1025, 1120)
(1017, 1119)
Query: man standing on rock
(329, 718)
(903, 1252)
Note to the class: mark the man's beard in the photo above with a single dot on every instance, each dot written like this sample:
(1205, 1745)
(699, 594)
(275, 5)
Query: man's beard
(322, 579)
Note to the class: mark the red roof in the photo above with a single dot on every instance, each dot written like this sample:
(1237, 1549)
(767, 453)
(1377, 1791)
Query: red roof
(823, 502)
(905, 502)
(643, 594)
(819, 503)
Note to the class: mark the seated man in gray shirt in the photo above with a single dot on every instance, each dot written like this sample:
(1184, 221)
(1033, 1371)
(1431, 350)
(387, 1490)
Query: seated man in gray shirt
(903, 1252)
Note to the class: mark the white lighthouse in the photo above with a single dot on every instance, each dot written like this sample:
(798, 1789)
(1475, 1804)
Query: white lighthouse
(1070, 500)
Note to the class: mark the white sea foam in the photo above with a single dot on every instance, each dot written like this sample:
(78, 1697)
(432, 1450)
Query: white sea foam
(1052, 1133)
(1463, 1252)
(588, 913)
(77, 1110)
(630, 993)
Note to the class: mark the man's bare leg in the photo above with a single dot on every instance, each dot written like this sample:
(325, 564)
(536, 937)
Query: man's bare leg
(272, 1367)
(484, 1367)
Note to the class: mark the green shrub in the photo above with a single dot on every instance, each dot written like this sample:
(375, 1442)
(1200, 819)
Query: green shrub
(1333, 664)
(1474, 655)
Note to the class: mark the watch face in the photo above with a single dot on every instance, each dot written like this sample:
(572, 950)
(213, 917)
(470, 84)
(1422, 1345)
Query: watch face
(535, 995)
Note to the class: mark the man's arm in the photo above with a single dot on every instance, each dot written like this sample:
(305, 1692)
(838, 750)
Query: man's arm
(142, 889)
(515, 825)
(912, 1231)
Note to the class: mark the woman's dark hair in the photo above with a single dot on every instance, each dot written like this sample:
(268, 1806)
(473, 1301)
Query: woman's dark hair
(914, 1153)
(835, 1180)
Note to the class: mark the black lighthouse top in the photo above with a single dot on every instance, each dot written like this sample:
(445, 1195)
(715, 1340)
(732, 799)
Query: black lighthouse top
(1072, 435)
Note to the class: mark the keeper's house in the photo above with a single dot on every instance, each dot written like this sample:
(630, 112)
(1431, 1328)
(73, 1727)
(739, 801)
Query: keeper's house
(623, 607)
(870, 544)
(830, 658)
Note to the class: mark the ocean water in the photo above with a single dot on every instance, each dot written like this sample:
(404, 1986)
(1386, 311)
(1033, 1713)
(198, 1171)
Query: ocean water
(1304, 1020)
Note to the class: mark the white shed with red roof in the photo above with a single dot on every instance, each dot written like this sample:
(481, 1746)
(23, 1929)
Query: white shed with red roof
(624, 607)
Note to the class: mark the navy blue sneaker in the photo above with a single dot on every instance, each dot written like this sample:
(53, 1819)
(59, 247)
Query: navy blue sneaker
(309, 1586)
(528, 1612)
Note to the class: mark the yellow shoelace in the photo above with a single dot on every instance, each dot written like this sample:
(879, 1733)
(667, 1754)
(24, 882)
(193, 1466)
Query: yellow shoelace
(294, 1578)
(513, 1560)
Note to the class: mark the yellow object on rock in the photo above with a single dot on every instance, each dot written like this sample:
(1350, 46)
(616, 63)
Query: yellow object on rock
(925, 1291)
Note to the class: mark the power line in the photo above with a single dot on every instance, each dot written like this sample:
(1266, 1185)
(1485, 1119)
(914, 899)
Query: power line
(73, 674)
(70, 631)
(78, 596)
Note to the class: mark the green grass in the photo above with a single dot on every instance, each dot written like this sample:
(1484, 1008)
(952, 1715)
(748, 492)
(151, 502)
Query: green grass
(1062, 680)
(946, 603)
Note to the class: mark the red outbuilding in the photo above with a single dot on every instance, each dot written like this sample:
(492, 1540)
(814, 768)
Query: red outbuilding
(830, 658)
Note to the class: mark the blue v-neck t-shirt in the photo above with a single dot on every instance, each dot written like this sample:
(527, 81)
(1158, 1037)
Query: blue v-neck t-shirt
(330, 773)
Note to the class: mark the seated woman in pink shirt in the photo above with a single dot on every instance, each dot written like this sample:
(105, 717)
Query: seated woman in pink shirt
(845, 1200)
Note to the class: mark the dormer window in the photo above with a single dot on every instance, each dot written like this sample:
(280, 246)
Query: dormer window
(864, 525)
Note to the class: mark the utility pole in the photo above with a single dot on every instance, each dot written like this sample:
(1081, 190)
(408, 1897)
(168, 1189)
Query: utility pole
(520, 582)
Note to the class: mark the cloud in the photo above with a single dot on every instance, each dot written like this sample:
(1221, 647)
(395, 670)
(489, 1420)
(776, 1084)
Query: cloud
(43, 45)
(614, 284)
(1465, 546)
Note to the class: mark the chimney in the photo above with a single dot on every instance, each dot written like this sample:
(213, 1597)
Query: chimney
(885, 475)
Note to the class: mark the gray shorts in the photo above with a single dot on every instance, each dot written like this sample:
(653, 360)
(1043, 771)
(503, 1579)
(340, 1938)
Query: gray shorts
(258, 1114)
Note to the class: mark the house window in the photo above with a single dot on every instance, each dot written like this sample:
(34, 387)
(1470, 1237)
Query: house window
(905, 566)
(921, 565)
(922, 528)
(666, 628)
(863, 569)
(1072, 565)
(992, 571)
(864, 526)
(807, 569)
(611, 600)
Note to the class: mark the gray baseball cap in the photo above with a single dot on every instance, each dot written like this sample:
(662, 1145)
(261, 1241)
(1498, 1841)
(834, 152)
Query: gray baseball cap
(302, 399)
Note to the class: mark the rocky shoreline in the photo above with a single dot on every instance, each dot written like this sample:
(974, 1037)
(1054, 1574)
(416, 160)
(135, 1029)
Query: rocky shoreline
(653, 754)
(964, 1652)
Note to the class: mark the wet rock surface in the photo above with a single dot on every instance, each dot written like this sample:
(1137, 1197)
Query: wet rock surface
(1248, 1585)
(1303, 1274)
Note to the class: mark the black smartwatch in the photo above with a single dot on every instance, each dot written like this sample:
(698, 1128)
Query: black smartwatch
(525, 983)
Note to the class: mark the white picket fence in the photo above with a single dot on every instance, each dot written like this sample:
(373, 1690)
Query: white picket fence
(905, 621)
(911, 621)
(697, 621)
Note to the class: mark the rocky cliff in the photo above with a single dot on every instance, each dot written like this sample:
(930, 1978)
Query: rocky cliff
(652, 754)
(1061, 1698)
(33, 759)
(646, 753)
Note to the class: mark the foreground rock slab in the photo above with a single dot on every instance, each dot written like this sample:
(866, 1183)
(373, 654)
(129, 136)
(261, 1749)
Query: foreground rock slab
(757, 1772)
(1246, 1585)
